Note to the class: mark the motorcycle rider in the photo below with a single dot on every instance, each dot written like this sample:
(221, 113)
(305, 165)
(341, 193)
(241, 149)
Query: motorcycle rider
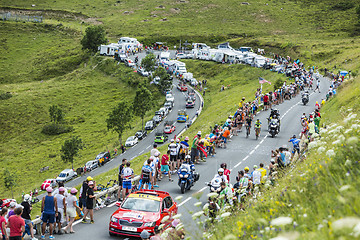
(274, 115)
(189, 166)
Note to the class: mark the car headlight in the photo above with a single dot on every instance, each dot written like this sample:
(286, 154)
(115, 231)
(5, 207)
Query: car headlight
(114, 219)
(186, 175)
(149, 224)
(180, 175)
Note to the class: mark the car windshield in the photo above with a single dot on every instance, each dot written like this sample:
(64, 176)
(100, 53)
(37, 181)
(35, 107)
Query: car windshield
(131, 138)
(62, 175)
(140, 204)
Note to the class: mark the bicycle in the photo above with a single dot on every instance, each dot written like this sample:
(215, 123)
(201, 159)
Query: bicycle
(247, 130)
(257, 132)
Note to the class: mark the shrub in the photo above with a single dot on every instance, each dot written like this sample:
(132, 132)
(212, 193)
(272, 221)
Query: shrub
(278, 84)
(343, 6)
(56, 129)
(4, 96)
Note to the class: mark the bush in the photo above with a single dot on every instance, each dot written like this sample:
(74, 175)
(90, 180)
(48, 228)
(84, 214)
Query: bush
(4, 96)
(56, 129)
(278, 84)
(343, 6)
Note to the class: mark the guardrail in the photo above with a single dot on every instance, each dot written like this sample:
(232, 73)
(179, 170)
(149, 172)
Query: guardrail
(37, 221)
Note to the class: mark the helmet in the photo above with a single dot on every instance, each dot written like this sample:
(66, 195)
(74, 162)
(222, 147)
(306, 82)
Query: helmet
(27, 197)
(199, 133)
(223, 165)
(89, 178)
(172, 140)
(246, 169)
(73, 190)
(186, 138)
(187, 157)
(221, 170)
(91, 183)
(177, 140)
(243, 98)
(294, 136)
(255, 166)
(228, 120)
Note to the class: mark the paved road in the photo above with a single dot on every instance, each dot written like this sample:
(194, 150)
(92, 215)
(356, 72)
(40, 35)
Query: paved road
(240, 152)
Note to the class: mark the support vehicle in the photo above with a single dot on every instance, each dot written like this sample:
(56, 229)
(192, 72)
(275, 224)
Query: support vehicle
(182, 116)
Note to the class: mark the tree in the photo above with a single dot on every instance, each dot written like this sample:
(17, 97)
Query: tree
(119, 118)
(56, 114)
(142, 102)
(165, 82)
(148, 62)
(10, 180)
(94, 37)
(71, 149)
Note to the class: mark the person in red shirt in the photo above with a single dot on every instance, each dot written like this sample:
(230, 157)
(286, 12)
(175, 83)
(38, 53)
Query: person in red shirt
(3, 232)
(165, 165)
(16, 224)
(266, 101)
(226, 171)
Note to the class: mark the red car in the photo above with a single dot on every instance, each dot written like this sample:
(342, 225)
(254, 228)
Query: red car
(48, 183)
(6, 202)
(169, 129)
(142, 210)
(182, 87)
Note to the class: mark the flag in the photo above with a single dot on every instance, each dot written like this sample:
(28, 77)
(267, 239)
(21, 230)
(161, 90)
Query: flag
(261, 81)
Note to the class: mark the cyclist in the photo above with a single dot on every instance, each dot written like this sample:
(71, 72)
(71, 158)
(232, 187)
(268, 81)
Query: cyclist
(257, 127)
(248, 121)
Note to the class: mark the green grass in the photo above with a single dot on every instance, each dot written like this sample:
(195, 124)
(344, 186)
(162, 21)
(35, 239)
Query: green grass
(318, 192)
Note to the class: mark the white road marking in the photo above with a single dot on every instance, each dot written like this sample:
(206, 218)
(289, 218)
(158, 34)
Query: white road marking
(141, 152)
(185, 201)
(148, 147)
(152, 130)
(201, 189)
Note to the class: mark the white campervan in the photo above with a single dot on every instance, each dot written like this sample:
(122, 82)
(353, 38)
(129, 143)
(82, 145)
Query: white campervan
(164, 56)
(259, 61)
(179, 67)
(110, 50)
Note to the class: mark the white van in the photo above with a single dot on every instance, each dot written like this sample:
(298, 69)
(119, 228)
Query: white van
(109, 50)
(164, 56)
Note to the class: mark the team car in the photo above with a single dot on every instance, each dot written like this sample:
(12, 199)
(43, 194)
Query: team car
(48, 183)
(169, 127)
(142, 210)
(182, 116)
(189, 103)
(160, 138)
(182, 87)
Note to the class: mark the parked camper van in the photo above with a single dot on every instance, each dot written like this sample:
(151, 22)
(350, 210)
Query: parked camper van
(110, 50)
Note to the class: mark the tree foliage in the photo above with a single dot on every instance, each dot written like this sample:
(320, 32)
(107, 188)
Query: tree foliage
(148, 62)
(71, 149)
(56, 114)
(142, 102)
(94, 37)
(119, 118)
(9, 180)
(165, 82)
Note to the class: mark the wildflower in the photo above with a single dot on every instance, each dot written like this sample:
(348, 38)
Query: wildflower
(348, 130)
(330, 153)
(287, 236)
(165, 219)
(346, 222)
(179, 226)
(179, 198)
(320, 226)
(230, 237)
(356, 230)
(348, 163)
(206, 207)
(177, 216)
(352, 140)
(211, 195)
(267, 229)
(226, 214)
(344, 188)
(205, 235)
(355, 126)
(198, 204)
(337, 142)
(305, 215)
(161, 226)
(280, 221)
(312, 145)
(197, 214)
(350, 117)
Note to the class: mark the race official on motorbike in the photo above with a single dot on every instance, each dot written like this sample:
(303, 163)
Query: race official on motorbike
(275, 115)
(220, 175)
(189, 166)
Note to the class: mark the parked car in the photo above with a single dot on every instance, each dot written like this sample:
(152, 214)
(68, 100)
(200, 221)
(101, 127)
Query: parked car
(129, 63)
(181, 55)
(91, 165)
(103, 157)
(149, 125)
(6, 202)
(48, 183)
(143, 210)
(190, 103)
(141, 134)
(157, 119)
(190, 56)
(169, 98)
(169, 105)
(66, 175)
(164, 110)
(156, 80)
(142, 72)
(131, 141)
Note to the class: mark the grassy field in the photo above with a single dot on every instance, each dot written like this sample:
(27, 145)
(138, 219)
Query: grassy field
(320, 196)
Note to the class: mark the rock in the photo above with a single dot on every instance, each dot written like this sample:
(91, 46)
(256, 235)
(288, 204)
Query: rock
(126, 12)
(161, 6)
(154, 15)
(245, 3)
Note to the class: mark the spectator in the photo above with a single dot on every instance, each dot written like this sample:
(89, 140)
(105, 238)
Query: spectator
(26, 214)
(11, 209)
(60, 199)
(49, 210)
(165, 166)
(71, 208)
(121, 167)
(83, 190)
(90, 197)
(127, 174)
(16, 224)
(3, 232)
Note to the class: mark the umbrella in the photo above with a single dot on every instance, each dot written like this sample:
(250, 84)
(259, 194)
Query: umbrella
(273, 64)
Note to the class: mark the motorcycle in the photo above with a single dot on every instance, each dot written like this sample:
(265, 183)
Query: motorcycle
(187, 178)
(214, 185)
(274, 127)
(305, 99)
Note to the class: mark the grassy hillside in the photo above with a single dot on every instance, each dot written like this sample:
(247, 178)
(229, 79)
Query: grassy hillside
(319, 197)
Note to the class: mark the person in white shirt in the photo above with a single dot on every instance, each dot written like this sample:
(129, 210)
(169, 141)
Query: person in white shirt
(61, 204)
(71, 207)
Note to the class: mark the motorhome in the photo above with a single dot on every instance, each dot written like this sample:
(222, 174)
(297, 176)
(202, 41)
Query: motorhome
(130, 43)
(188, 76)
(250, 58)
(179, 67)
(110, 50)
(164, 56)
(245, 49)
(259, 61)
(225, 55)
(224, 46)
